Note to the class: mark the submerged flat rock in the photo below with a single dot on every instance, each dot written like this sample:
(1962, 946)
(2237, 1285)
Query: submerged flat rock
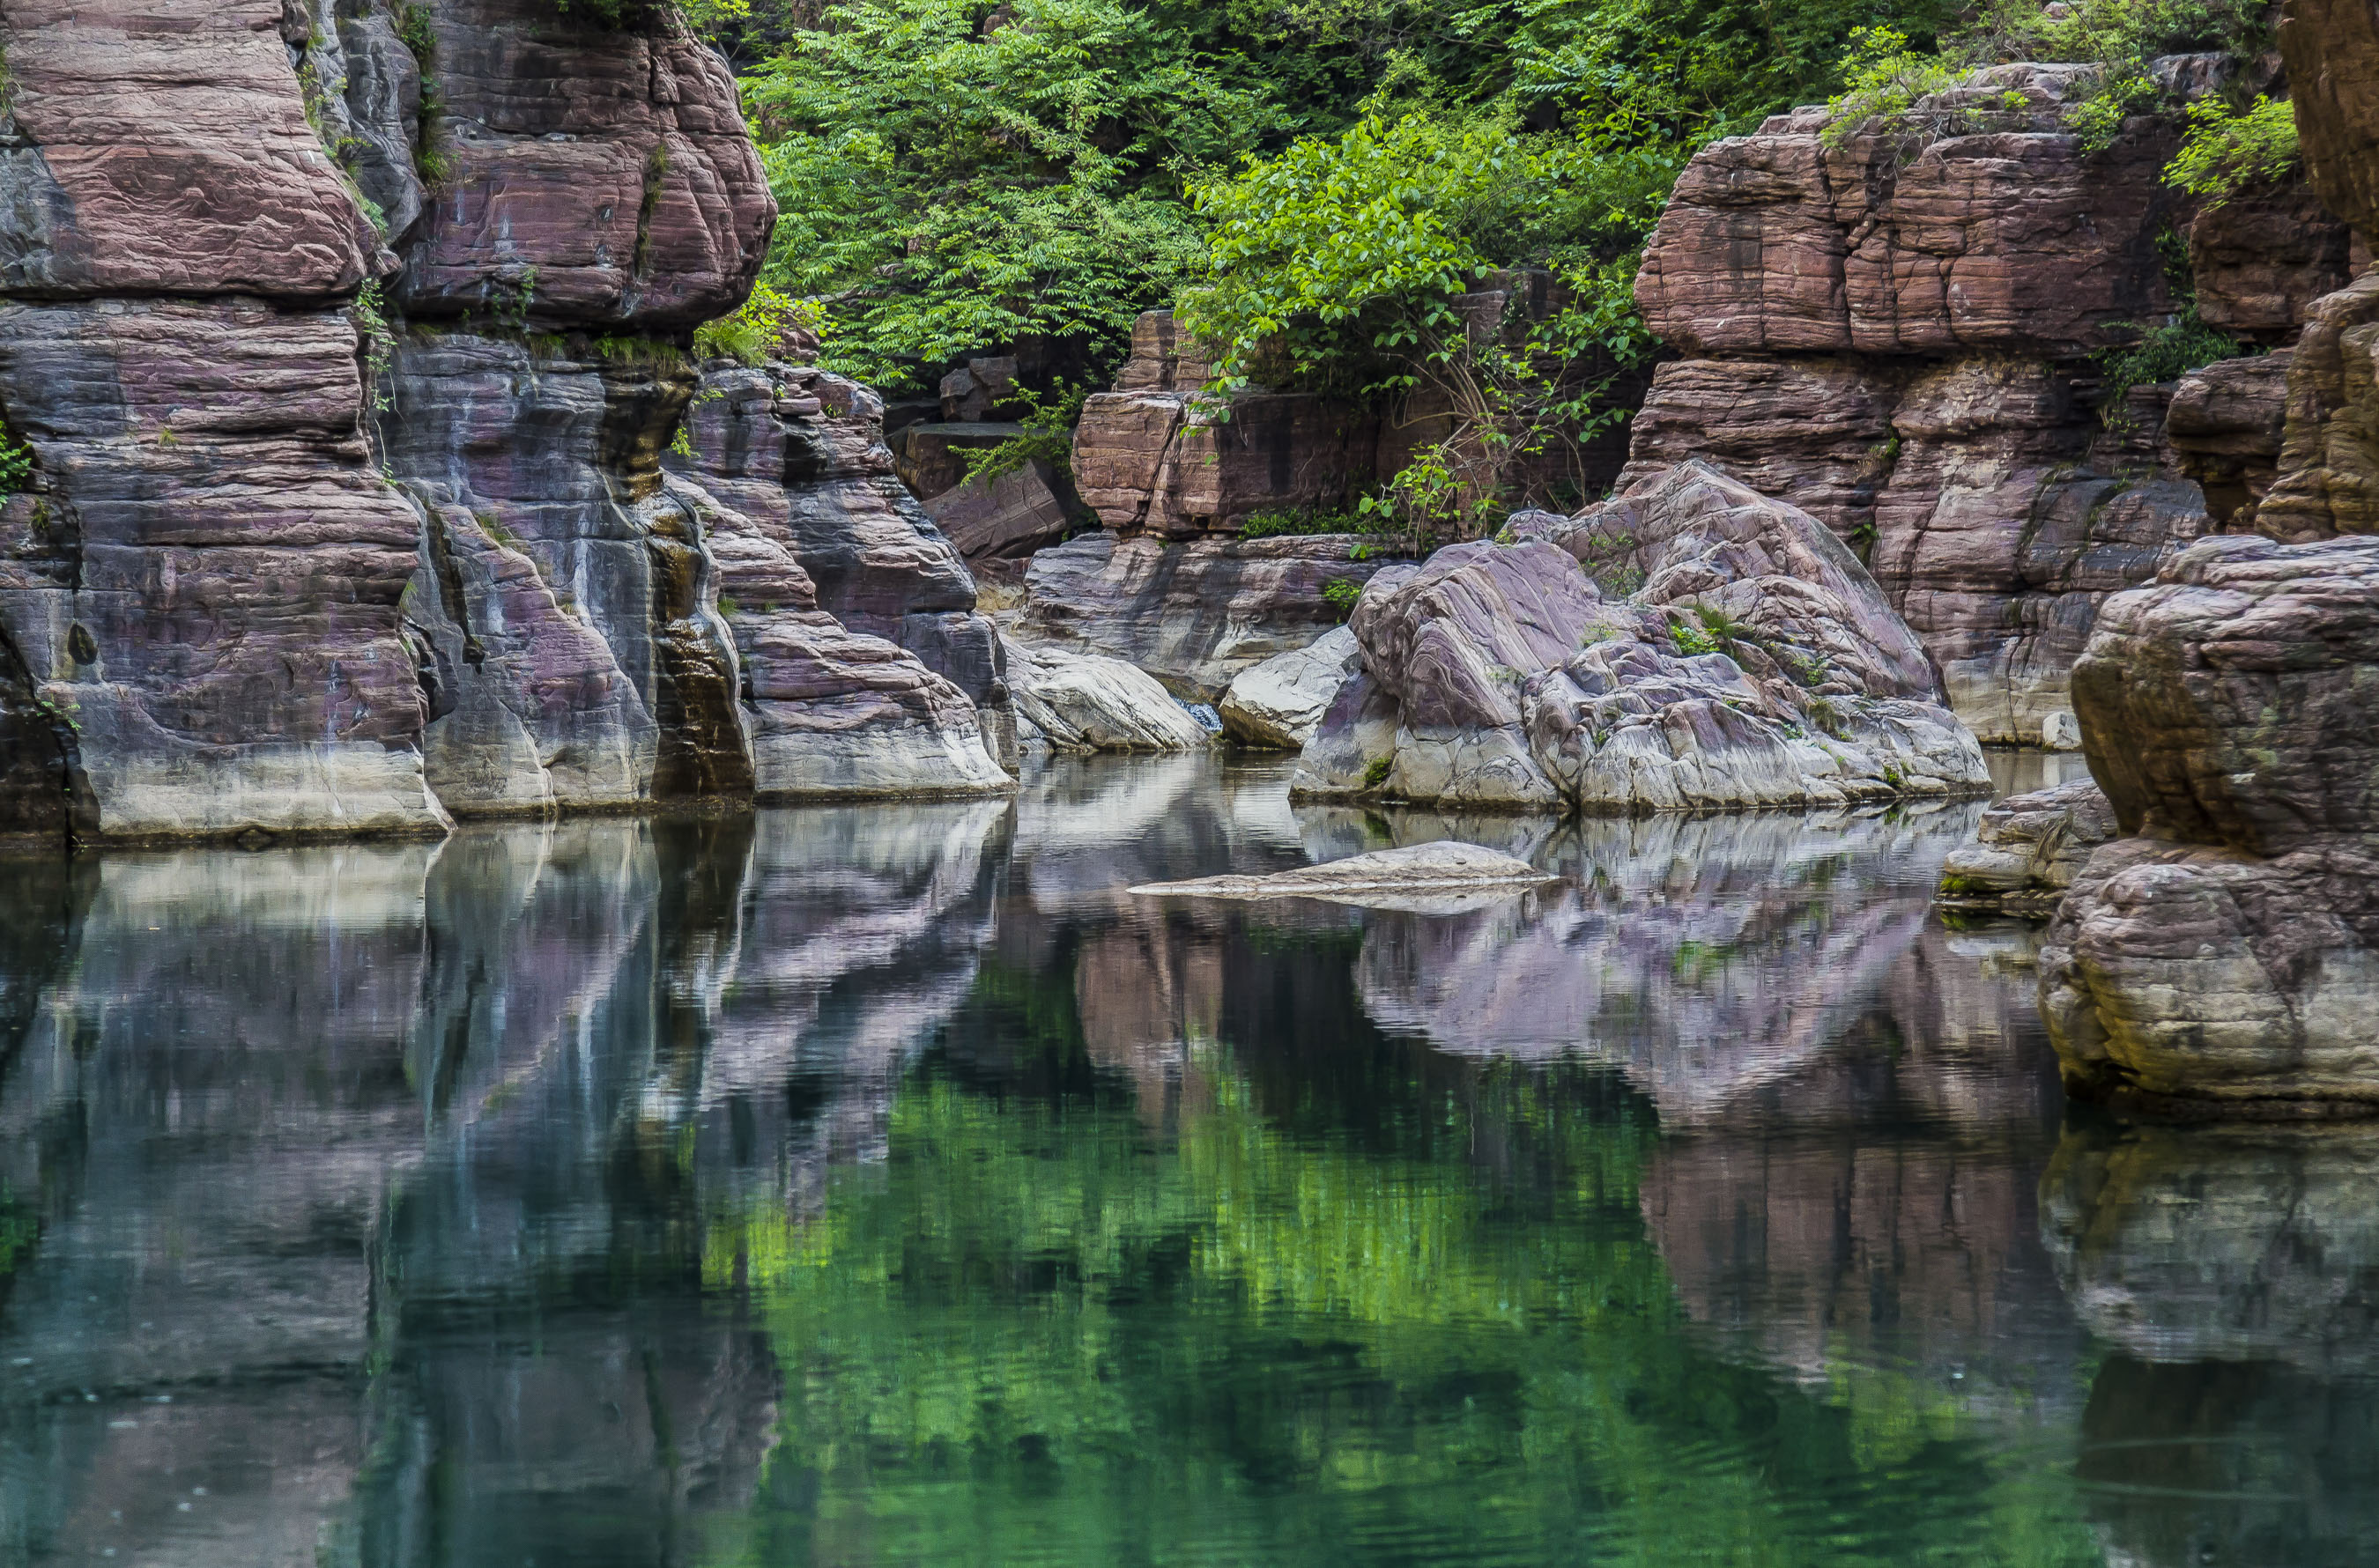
(1426, 871)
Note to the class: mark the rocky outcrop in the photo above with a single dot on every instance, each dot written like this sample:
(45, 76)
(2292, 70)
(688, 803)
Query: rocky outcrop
(346, 358)
(2332, 50)
(2228, 955)
(1380, 878)
(1084, 702)
(1278, 705)
(1897, 339)
(1194, 615)
(2029, 848)
(1688, 644)
(2329, 480)
(1158, 455)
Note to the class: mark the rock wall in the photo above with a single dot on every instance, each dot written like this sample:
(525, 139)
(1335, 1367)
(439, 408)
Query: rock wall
(1898, 340)
(346, 341)
(2224, 956)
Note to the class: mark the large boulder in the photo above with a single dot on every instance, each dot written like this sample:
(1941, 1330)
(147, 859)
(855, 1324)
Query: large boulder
(2329, 480)
(1279, 703)
(1085, 702)
(1688, 644)
(2028, 850)
(2229, 954)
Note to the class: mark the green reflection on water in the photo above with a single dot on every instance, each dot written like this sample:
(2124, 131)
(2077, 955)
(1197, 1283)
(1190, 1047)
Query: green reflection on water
(1054, 1330)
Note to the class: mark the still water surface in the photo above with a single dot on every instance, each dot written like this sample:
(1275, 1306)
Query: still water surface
(883, 1185)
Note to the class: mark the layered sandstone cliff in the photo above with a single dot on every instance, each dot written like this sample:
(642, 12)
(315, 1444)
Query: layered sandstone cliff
(347, 341)
(1898, 339)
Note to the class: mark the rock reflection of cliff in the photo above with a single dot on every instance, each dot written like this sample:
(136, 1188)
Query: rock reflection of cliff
(2236, 1272)
(365, 1178)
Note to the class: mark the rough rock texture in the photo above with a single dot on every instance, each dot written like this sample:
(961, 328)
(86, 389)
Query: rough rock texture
(2225, 424)
(2231, 952)
(1155, 455)
(2329, 480)
(1012, 515)
(2332, 50)
(1751, 661)
(1194, 615)
(789, 479)
(2028, 850)
(1899, 346)
(1279, 703)
(285, 567)
(1086, 702)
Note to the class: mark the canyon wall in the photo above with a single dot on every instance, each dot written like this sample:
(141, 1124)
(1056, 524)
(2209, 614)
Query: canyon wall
(347, 358)
(1900, 340)
(2226, 953)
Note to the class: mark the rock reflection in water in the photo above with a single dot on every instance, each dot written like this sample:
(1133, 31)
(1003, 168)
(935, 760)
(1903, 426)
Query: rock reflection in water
(2236, 1272)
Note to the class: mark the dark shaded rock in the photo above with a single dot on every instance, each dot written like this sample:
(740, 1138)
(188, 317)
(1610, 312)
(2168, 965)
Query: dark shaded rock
(2258, 261)
(932, 456)
(1194, 615)
(2028, 852)
(2225, 423)
(1010, 516)
(2332, 50)
(1752, 661)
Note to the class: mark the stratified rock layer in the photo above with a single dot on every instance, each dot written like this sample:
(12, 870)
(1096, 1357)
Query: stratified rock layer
(2229, 954)
(1898, 340)
(1751, 662)
(2029, 848)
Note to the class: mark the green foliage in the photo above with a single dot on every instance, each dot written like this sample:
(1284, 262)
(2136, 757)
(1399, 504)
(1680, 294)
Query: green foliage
(370, 314)
(948, 188)
(415, 32)
(16, 463)
(1890, 89)
(2226, 154)
(1275, 525)
(2160, 353)
(1048, 435)
(760, 329)
(1342, 597)
(1376, 771)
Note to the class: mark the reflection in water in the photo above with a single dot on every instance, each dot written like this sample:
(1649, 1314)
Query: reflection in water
(2236, 1272)
(883, 1185)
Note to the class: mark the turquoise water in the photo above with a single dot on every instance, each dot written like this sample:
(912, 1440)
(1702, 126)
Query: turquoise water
(885, 1185)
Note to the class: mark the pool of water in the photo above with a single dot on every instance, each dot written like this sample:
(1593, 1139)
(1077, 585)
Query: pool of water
(884, 1184)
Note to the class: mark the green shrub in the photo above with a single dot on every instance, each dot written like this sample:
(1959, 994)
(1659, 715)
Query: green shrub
(1342, 597)
(1048, 435)
(16, 463)
(1375, 772)
(2226, 154)
(760, 329)
(1275, 525)
(2160, 353)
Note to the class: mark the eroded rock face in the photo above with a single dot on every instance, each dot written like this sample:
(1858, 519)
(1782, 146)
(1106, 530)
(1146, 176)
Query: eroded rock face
(1279, 703)
(2230, 953)
(2028, 850)
(863, 664)
(1691, 644)
(1086, 702)
(288, 568)
(2332, 50)
(1194, 615)
(2329, 480)
(1899, 343)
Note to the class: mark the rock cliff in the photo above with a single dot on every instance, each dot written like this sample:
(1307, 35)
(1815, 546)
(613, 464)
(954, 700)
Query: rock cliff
(346, 341)
(1898, 340)
(2225, 957)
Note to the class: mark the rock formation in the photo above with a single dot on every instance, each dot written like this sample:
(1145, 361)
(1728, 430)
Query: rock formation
(1688, 644)
(1897, 341)
(346, 358)
(2229, 952)
(2028, 850)
(1086, 702)
(1278, 705)
(1380, 878)
(1194, 615)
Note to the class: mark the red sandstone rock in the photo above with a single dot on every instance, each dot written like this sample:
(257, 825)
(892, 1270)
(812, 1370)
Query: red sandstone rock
(2260, 260)
(2329, 459)
(2225, 424)
(2332, 50)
